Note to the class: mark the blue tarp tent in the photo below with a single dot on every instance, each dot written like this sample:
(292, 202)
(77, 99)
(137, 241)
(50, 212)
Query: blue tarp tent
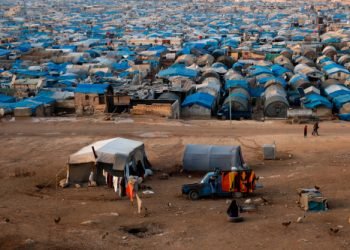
(237, 83)
(315, 100)
(178, 70)
(339, 101)
(91, 88)
(258, 70)
(279, 70)
(4, 52)
(336, 90)
(202, 99)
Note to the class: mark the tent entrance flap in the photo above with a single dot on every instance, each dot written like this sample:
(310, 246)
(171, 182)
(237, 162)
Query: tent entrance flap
(79, 173)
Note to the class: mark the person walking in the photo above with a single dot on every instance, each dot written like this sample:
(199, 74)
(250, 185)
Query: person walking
(305, 131)
(133, 191)
(315, 130)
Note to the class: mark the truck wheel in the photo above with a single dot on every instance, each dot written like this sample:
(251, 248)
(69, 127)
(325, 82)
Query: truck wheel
(194, 195)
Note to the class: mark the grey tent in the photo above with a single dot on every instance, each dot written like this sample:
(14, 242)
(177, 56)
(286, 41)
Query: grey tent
(209, 157)
(119, 156)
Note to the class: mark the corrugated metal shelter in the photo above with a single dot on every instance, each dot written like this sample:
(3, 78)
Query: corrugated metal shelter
(209, 157)
(276, 103)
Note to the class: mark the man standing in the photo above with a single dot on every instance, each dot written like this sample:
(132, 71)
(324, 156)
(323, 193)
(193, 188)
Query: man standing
(315, 130)
(212, 183)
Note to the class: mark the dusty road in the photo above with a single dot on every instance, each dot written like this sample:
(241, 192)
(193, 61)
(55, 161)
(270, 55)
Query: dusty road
(34, 151)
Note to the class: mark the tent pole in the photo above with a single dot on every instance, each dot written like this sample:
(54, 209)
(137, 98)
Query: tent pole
(93, 150)
(230, 106)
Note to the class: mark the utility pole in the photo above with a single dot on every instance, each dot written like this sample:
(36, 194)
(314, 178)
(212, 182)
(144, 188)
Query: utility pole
(230, 106)
(24, 9)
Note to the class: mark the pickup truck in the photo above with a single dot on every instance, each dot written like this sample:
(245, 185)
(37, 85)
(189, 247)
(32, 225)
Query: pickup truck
(212, 185)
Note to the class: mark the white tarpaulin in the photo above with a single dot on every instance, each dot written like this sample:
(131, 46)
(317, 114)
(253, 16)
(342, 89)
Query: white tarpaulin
(116, 151)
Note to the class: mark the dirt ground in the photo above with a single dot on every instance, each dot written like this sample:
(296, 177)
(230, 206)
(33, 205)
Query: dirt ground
(35, 150)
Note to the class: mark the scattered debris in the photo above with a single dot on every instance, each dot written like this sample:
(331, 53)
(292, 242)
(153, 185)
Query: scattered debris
(300, 220)
(89, 222)
(104, 235)
(5, 221)
(77, 186)
(110, 214)
(92, 184)
(164, 176)
(286, 224)
(248, 208)
(311, 199)
(333, 231)
(261, 201)
(248, 201)
(57, 219)
(63, 183)
(29, 241)
(148, 192)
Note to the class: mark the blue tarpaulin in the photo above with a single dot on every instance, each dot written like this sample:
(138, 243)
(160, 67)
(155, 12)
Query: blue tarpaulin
(315, 100)
(236, 83)
(122, 65)
(279, 70)
(91, 88)
(339, 101)
(202, 99)
(178, 70)
(6, 99)
(345, 117)
(258, 70)
(4, 52)
(336, 90)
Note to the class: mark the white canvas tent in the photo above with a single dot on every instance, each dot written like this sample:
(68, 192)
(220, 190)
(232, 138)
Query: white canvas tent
(118, 154)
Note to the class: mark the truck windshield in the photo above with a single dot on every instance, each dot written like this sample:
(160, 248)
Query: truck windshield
(206, 177)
